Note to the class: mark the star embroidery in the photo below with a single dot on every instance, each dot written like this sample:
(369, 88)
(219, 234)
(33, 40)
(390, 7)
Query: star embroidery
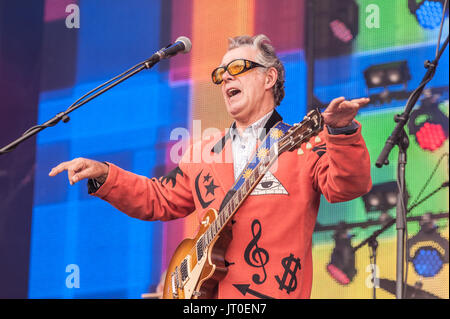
(210, 188)
(206, 178)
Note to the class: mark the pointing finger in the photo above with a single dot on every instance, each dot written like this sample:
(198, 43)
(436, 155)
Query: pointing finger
(58, 169)
(349, 105)
(361, 102)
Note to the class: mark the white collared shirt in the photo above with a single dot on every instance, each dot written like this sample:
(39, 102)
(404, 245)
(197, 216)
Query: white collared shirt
(243, 146)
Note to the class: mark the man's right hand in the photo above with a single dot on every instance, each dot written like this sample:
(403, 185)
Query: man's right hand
(81, 168)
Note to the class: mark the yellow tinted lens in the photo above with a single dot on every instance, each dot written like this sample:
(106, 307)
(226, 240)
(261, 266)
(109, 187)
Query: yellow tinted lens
(217, 75)
(236, 67)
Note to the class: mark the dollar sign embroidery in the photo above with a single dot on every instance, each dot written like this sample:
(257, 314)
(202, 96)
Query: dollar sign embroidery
(259, 256)
(287, 262)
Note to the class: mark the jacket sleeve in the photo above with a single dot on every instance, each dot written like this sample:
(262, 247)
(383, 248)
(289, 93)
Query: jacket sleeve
(166, 198)
(341, 167)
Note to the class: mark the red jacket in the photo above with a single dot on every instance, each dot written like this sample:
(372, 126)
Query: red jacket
(270, 254)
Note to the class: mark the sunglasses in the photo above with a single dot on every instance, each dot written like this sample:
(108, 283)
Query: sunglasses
(235, 67)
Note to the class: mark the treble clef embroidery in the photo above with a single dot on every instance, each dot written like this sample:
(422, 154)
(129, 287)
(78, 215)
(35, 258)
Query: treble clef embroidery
(256, 256)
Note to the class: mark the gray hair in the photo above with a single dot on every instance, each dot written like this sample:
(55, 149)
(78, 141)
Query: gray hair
(266, 57)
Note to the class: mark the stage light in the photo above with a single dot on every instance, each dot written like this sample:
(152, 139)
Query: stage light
(341, 31)
(335, 25)
(381, 197)
(427, 12)
(427, 262)
(431, 136)
(373, 200)
(394, 76)
(428, 251)
(429, 124)
(391, 198)
(342, 264)
(387, 74)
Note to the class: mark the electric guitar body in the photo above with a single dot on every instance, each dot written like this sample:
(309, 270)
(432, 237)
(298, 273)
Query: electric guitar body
(205, 272)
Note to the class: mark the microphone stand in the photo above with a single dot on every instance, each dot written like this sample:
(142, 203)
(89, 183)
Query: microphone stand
(147, 64)
(400, 138)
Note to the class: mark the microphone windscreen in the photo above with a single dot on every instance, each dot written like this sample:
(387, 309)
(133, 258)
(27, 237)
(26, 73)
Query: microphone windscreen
(187, 43)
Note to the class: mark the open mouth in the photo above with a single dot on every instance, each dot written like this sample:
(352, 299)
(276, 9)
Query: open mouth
(233, 92)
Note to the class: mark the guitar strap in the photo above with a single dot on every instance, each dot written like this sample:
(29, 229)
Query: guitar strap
(275, 133)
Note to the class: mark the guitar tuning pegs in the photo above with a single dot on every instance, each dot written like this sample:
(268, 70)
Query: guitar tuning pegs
(308, 146)
(317, 139)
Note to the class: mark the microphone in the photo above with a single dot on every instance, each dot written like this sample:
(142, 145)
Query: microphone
(182, 44)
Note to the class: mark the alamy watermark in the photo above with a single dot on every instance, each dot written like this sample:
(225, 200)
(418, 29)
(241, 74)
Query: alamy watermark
(73, 19)
(210, 145)
(373, 17)
(73, 279)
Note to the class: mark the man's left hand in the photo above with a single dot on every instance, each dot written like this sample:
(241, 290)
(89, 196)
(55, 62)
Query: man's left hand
(340, 113)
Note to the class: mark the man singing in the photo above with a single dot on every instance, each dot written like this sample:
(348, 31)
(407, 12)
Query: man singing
(272, 231)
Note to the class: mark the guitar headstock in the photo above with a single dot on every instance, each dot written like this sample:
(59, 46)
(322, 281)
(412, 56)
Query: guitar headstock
(301, 132)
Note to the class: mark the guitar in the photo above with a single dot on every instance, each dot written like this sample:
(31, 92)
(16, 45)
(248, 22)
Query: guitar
(198, 263)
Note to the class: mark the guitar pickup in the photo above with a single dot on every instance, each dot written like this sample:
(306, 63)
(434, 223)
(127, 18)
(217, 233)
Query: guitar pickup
(184, 269)
(200, 248)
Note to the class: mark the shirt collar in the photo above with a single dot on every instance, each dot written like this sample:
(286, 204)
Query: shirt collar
(253, 128)
(274, 118)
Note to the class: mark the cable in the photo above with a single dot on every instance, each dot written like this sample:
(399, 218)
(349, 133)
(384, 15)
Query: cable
(440, 29)
(429, 178)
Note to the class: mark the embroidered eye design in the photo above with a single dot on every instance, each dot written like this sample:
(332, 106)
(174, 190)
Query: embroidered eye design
(269, 185)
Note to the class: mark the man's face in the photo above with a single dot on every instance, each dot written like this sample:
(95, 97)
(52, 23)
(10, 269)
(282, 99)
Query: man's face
(250, 86)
